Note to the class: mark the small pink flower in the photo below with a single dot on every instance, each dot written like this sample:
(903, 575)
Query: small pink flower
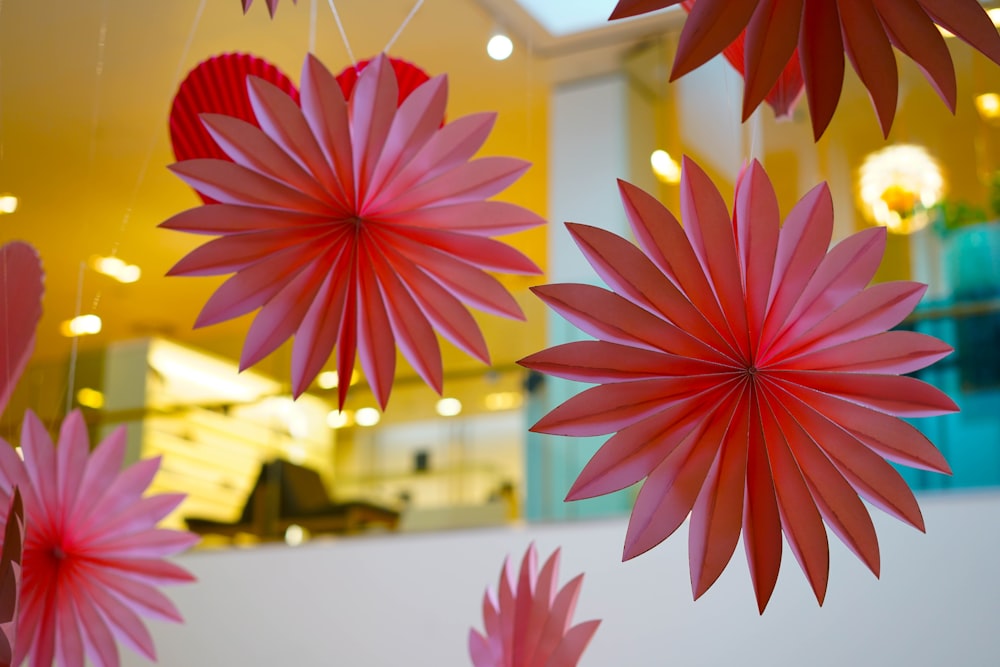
(93, 555)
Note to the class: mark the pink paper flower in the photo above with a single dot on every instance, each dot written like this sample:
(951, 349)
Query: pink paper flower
(527, 620)
(748, 377)
(354, 224)
(10, 576)
(272, 6)
(822, 31)
(92, 553)
(21, 290)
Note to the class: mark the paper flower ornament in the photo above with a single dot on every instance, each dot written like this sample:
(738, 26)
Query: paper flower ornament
(527, 619)
(409, 77)
(217, 85)
(748, 377)
(821, 32)
(10, 577)
(272, 6)
(92, 553)
(21, 290)
(356, 224)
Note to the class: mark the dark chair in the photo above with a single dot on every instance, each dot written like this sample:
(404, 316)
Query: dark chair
(287, 494)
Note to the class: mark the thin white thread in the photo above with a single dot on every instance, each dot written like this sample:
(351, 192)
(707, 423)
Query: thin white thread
(406, 22)
(75, 344)
(343, 34)
(150, 149)
(95, 114)
(312, 26)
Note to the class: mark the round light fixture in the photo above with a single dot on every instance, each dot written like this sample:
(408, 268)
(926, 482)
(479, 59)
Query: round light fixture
(500, 46)
(367, 417)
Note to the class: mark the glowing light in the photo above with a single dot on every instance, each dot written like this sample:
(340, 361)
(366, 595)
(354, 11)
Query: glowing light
(295, 535)
(499, 47)
(8, 203)
(897, 185)
(367, 417)
(665, 167)
(83, 325)
(448, 407)
(503, 400)
(327, 380)
(988, 105)
(116, 268)
(90, 398)
(296, 454)
(338, 419)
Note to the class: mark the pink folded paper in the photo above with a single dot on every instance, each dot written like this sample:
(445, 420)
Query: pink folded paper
(356, 224)
(272, 6)
(10, 577)
(821, 32)
(21, 290)
(92, 553)
(527, 619)
(748, 377)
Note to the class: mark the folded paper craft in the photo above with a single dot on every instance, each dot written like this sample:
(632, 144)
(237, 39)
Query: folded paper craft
(527, 619)
(21, 290)
(10, 577)
(92, 553)
(354, 224)
(272, 6)
(409, 77)
(819, 33)
(748, 377)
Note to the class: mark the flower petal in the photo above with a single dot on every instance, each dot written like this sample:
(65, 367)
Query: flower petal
(969, 22)
(821, 54)
(911, 31)
(770, 42)
(761, 519)
(897, 395)
(871, 54)
(895, 352)
(601, 361)
(711, 27)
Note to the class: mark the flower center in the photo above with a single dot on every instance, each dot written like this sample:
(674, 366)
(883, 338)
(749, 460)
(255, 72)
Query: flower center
(58, 553)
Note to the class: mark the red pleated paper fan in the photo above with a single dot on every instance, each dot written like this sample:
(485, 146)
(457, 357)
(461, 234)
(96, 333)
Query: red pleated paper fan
(409, 77)
(527, 619)
(355, 223)
(749, 376)
(822, 32)
(217, 85)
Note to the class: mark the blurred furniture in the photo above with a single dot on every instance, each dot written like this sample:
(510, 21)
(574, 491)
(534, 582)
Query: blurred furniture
(287, 494)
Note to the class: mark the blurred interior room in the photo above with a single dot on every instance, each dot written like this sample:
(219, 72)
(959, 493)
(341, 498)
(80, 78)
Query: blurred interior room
(390, 516)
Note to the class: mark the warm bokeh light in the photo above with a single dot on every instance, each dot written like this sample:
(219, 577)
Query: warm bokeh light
(83, 325)
(448, 407)
(338, 419)
(500, 47)
(90, 398)
(367, 417)
(295, 535)
(988, 105)
(327, 380)
(665, 167)
(503, 400)
(116, 268)
(897, 185)
(8, 203)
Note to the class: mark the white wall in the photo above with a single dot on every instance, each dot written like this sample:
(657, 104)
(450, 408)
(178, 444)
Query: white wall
(409, 600)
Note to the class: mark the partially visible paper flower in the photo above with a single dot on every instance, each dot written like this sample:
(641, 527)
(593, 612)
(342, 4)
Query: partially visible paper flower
(748, 377)
(272, 6)
(93, 556)
(409, 77)
(527, 619)
(821, 32)
(21, 290)
(10, 576)
(356, 225)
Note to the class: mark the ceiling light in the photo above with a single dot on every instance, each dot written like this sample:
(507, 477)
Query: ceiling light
(665, 167)
(503, 400)
(988, 105)
(90, 398)
(338, 419)
(499, 47)
(295, 535)
(82, 325)
(367, 417)
(448, 407)
(897, 185)
(8, 203)
(116, 268)
(327, 380)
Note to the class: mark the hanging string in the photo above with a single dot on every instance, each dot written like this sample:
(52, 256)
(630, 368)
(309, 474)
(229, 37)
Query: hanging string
(75, 344)
(312, 26)
(406, 22)
(151, 147)
(343, 35)
(95, 114)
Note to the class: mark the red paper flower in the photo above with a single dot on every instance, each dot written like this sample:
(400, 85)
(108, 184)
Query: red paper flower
(823, 31)
(748, 377)
(528, 623)
(10, 576)
(92, 552)
(21, 290)
(409, 77)
(356, 224)
(272, 6)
